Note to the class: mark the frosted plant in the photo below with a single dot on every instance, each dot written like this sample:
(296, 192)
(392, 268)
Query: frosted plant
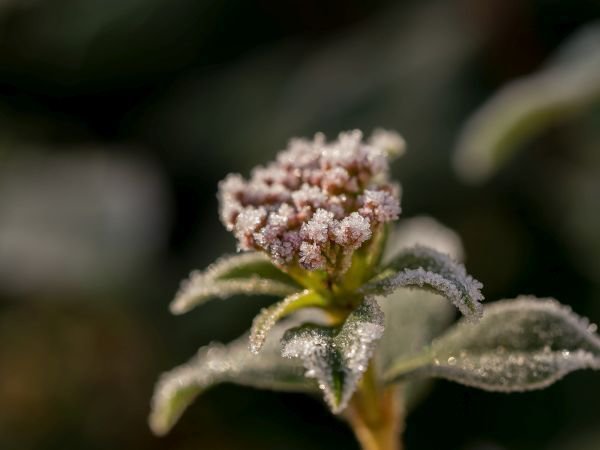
(365, 316)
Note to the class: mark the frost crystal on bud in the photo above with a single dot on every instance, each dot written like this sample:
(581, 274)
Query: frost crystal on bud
(317, 228)
(352, 231)
(318, 200)
(311, 257)
(379, 206)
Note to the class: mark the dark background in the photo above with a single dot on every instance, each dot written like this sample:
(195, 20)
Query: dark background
(119, 117)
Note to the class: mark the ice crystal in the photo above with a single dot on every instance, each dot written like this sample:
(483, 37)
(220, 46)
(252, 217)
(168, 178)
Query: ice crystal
(318, 227)
(352, 231)
(268, 317)
(311, 257)
(218, 363)
(248, 273)
(337, 357)
(318, 199)
(379, 205)
(422, 267)
(519, 345)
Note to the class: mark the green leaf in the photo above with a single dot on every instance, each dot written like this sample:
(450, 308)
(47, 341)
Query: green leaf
(269, 316)
(523, 109)
(247, 273)
(337, 357)
(218, 363)
(412, 320)
(519, 345)
(425, 231)
(425, 268)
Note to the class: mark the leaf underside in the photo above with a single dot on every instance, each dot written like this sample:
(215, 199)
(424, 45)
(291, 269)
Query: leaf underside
(232, 363)
(247, 273)
(425, 268)
(519, 345)
(337, 357)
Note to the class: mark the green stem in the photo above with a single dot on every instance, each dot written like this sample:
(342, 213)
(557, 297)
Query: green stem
(376, 414)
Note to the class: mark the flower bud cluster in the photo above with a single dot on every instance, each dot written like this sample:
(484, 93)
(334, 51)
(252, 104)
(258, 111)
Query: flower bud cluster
(316, 201)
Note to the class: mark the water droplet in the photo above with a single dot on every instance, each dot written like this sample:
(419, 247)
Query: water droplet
(592, 328)
(565, 353)
(452, 361)
(436, 362)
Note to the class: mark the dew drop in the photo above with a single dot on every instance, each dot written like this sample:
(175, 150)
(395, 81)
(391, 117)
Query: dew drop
(452, 361)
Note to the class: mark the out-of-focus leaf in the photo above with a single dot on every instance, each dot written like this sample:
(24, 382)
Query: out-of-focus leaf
(218, 363)
(425, 231)
(519, 345)
(248, 273)
(57, 238)
(425, 268)
(268, 317)
(412, 320)
(337, 357)
(569, 85)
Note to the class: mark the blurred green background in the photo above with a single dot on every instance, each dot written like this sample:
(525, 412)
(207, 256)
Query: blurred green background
(119, 117)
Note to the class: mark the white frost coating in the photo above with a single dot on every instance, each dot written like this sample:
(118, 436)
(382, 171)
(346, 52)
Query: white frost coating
(337, 358)
(218, 363)
(292, 205)
(467, 304)
(352, 231)
(247, 273)
(311, 257)
(519, 345)
(318, 227)
(268, 317)
(197, 290)
(425, 231)
(422, 267)
(379, 206)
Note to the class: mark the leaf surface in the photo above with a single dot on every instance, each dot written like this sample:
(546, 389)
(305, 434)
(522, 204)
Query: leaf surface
(519, 345)
(246, 273)
(337, 357)
(225, 363)
(426, 268)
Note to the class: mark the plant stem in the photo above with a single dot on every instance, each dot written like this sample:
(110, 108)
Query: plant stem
(376, 414)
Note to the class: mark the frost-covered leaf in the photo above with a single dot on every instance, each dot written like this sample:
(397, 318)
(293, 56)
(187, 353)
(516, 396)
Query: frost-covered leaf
(219, 363)
(246, 273)
(568, 86)
(337, 357)
(426, 231)
(519, 345)
(269, 316)
(425, 268)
